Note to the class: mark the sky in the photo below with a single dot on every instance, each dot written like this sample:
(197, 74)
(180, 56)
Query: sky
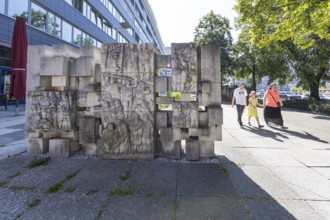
(177, 19)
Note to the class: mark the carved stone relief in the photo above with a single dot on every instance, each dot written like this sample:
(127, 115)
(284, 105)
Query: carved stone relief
(52, 110)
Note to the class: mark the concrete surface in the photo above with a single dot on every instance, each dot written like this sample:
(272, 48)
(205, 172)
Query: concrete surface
(258, 174)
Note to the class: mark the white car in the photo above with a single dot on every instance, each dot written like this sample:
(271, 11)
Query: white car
(324, 97)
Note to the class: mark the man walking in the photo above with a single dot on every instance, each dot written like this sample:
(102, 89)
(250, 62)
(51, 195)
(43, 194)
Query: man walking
(239, 98)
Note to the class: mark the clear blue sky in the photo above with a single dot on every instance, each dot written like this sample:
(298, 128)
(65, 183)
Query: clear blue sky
(177, 19)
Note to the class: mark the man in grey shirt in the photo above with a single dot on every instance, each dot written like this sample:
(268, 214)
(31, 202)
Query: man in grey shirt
(239, 98)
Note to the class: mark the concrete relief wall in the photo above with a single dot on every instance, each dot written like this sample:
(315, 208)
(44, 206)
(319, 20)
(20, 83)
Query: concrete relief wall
(109, 101)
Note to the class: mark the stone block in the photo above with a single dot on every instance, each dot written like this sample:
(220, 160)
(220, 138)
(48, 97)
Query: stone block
(161, 120)
(82, 66)
(199, 132)
(215, 114)
(74, 83)
(166, 134)
(206, 87)
(65, 50)
(54, 66)
(91, 51)
(210, 63)
(214, 135)
(163, 61)
(72, 135)
(203, 119)
(88, 130)
(184, 67)
(45, 81)
(168, 149)
(62, 147)
(38, 146)
(85, 81)
(60, 81)
(185, 115)
(206, 149)
(51, 134)
(192, 149)
(98, 74)
(180, 133)
(164, 100)
(161, 84)
(194, 132)
(185, 97)
(91, 149)
(35, 134)
(212, 98)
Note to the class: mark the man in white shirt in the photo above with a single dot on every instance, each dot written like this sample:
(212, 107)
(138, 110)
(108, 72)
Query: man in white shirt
(239, 98)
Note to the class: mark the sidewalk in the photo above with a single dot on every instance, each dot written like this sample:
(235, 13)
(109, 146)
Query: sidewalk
(259, 174)
(12, 137)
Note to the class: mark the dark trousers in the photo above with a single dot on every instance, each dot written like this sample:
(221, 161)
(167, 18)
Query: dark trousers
(240, 109)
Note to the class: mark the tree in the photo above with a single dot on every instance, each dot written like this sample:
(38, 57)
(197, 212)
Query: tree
(254, 62)
(279, 20)
(215, 29)
(311, 65)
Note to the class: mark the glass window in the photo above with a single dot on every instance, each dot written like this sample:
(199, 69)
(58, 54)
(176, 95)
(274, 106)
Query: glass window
(2, 6)
(39, 17)
(66, 31)
(57, 26)
(93, 17)
(50, 23)
(18, 8)
(69, 2)
(87, 10)
(99, 22)
(77, 36)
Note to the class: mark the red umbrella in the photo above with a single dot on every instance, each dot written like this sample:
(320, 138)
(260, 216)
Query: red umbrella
(18, 59)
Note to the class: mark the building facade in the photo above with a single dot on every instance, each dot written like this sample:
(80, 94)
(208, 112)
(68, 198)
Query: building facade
(79, 23)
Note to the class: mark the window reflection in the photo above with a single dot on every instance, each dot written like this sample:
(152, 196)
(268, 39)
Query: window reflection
(77, 36)
(17, 8)
(66, 31)
(39, 16)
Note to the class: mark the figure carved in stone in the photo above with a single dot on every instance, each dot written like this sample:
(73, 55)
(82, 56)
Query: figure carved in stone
(147, 134)
(144, 59)
(185, 115)
(114, 58)
(142, 98)
(63, 113)
(135, 127)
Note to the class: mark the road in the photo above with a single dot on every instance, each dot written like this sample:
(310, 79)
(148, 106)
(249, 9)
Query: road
(291, 166)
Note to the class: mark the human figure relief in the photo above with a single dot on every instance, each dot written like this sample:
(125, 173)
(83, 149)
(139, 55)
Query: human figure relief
(147, 134)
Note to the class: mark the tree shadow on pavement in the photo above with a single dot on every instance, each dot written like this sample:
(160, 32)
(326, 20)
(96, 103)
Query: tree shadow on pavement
(259, 203)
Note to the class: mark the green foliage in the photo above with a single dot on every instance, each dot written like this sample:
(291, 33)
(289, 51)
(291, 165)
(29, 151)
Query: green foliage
(3, 184)
(70, 189)
(34, 203)
(279, 20)
(126, 175)
(35, 162)
(91, 192)
(55, 187)
(311, 105)
(13, 176)
(122, 192)
(71, 175)
(215, 29)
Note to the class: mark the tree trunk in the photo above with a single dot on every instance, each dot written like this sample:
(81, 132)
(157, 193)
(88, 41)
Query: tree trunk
(254, 85)
(314, 89)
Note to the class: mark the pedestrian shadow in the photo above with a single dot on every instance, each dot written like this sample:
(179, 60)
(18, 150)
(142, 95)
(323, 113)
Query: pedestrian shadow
(259, 204)
(322, 117)
(304, 135)
(266, 133)
(276, 135)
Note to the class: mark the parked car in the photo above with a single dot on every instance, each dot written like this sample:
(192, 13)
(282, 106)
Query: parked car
(305, 96)
(324, 97)
(287, 95)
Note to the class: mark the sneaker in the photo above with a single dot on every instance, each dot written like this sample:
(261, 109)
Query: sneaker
(284, 128)
(260, 126)
(249, 123)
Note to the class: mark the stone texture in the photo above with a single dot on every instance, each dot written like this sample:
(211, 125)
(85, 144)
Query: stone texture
(82, 66)
(60, 81)
(38, 146)
(62, 147)
(54, 66)
(88, 130)
(164, 100)
(166, 134)
(168, 149)
(206, 149)
(161, 84)
(215, 114)
(163, 61)
(192, 150)
(161, 120)
(210, 57)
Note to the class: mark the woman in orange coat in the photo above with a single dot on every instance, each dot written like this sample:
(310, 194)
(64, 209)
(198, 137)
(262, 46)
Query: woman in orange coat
(273, 104)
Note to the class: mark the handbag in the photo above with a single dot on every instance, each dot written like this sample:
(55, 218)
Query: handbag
(277, 103)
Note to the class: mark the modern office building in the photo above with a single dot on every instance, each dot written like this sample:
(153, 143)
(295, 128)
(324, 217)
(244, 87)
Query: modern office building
(79, 22)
